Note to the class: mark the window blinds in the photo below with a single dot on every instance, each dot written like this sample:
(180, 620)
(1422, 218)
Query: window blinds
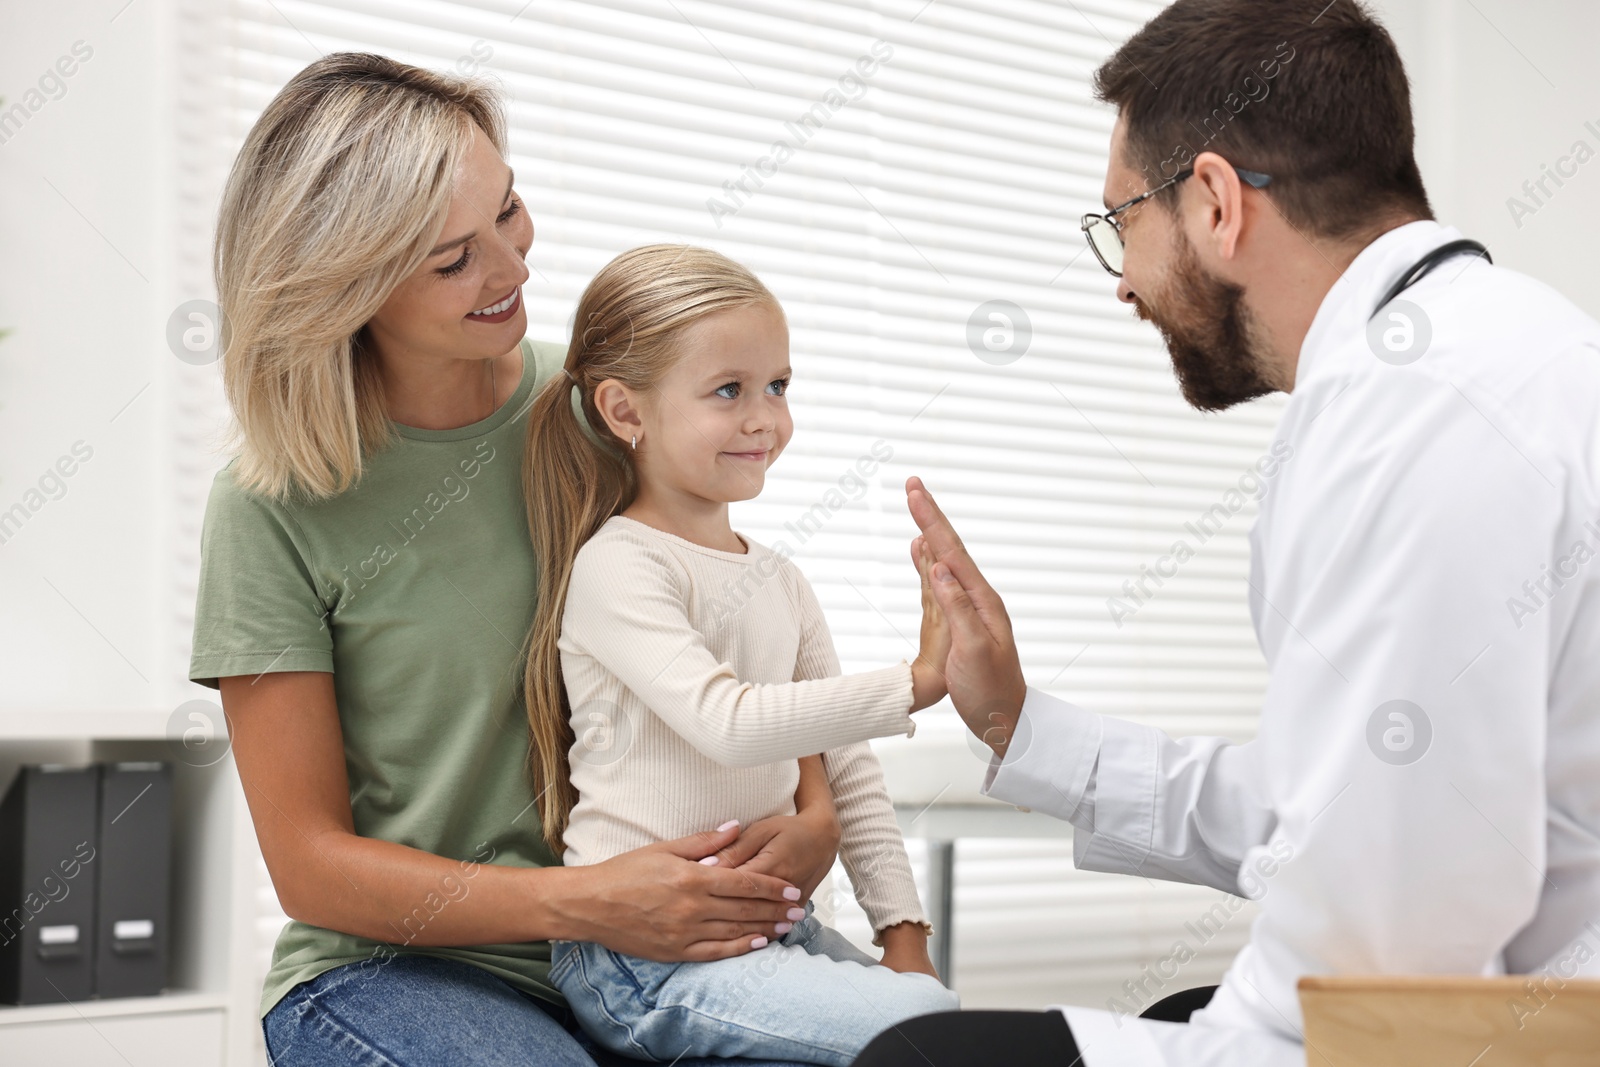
(907, 176)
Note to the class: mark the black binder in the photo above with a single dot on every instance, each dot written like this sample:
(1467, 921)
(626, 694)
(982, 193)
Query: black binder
(47, 885)
(134, 877)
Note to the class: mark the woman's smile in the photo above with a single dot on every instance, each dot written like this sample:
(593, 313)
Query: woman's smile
(500, 310)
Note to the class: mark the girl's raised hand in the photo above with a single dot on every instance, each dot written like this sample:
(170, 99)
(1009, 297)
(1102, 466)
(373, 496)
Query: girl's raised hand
(928, 685)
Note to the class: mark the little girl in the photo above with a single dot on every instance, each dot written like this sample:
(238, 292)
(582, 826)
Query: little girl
(678, 671)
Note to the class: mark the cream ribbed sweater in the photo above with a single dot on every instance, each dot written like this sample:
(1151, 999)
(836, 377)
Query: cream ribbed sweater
(697, 679)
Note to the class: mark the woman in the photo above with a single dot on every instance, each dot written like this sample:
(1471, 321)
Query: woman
(366, 585)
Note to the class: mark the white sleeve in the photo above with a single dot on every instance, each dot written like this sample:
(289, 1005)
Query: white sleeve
(1143, 803)
(625, 608)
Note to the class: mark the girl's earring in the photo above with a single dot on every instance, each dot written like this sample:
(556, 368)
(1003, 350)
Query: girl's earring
(636, 442)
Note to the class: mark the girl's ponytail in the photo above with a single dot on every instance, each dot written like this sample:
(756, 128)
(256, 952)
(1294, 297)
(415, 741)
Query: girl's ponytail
(574, 484)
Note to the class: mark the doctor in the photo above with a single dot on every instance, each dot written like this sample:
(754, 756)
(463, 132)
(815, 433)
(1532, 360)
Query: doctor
(1423, 795)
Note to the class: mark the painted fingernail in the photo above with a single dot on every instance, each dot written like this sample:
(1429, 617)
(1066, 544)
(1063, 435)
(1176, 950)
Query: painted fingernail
(791, 893)
(709, 861)
(797, 914)
(784, 928)
(759, 942)
(729, 825)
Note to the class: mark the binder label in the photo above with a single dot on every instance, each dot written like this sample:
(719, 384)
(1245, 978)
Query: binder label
(58, 935)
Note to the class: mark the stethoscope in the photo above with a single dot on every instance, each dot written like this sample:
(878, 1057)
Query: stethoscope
(1420, 269)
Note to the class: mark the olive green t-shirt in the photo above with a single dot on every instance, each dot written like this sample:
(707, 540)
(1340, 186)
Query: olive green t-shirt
(415, 589)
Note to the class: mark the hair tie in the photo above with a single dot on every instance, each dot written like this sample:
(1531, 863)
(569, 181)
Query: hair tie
(575, 385)
(582, 415)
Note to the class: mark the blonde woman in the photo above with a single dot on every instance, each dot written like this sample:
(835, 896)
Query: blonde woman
(367, 581)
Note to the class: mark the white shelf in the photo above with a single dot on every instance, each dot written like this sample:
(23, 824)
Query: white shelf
(115, 1007)
(120, 724)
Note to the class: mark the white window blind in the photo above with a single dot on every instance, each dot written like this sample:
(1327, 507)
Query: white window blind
(889, 168)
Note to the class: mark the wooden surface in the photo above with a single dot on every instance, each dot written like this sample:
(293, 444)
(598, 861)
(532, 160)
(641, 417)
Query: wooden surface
(1450, 1021)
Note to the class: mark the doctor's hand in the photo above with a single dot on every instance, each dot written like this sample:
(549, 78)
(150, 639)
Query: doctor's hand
(982, 671)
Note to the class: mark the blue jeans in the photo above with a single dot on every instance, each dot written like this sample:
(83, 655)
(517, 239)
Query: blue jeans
(811, 996)
(418, 1011)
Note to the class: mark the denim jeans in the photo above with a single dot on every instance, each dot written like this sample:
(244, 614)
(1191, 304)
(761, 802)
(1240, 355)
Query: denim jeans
(811, 996)
(419, 1011)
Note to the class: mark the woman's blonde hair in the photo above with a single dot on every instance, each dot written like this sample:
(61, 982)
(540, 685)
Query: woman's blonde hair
(337, 196)
(629, 326)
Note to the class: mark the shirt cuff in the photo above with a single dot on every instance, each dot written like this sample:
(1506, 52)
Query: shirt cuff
(909, 689)
(1123, 810)
(879, 928)
(1049, 765)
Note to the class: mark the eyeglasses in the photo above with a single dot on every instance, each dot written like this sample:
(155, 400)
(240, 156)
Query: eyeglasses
(1104, 232)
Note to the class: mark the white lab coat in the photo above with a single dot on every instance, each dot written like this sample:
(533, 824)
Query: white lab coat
(1398, 554)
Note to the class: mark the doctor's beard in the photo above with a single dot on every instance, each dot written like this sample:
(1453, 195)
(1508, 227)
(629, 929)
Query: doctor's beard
(1216, 350)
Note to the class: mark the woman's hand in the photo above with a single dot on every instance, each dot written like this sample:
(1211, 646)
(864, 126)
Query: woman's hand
(905, 949)
(928, 685)
(798, 848)
(662, 903)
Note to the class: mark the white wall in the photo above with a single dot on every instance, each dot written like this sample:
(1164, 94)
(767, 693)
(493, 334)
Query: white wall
(85, 284)
(1503, 88)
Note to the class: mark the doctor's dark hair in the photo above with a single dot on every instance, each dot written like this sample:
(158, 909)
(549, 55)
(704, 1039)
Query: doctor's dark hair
(1318, 101)
(630, 327)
